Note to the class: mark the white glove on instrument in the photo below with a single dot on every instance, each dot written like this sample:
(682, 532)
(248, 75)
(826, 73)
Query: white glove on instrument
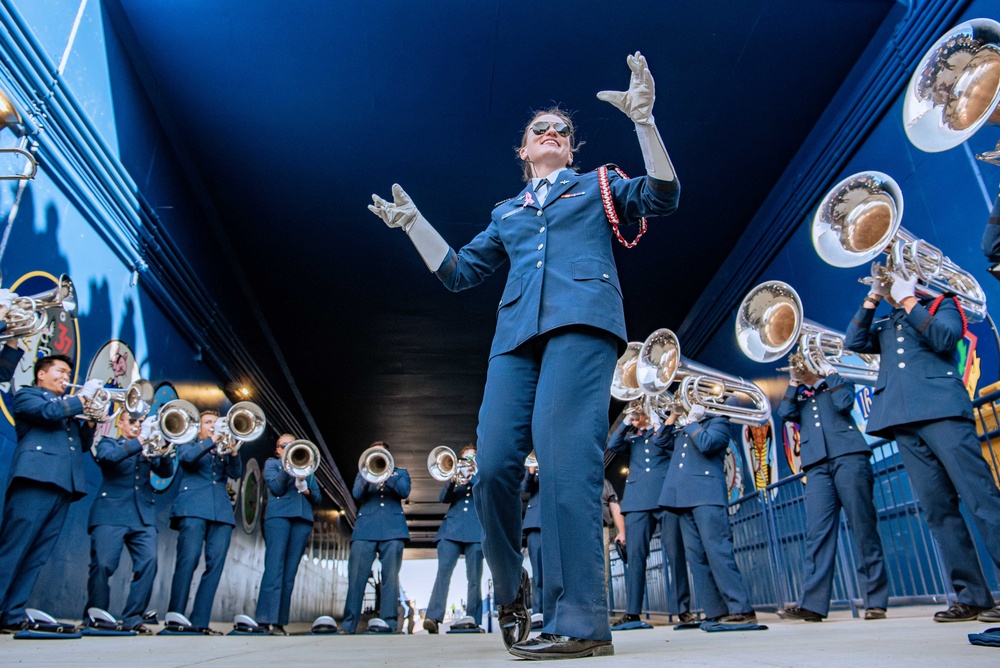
(637, 104)
(146, 430)
(796, 373)
(6, 298)
(902, 287)
(402, 212)
(302, 485)
(696, 414)
(90, 388)
(878, 288)
(824, 368)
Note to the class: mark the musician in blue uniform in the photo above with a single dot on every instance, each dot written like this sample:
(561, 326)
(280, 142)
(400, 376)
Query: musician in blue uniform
(460, 533)
(649, 462)
(46, 474)
(835, 456)
(551, 360)
(531, 525)
(991, 235)
(380, 529)
(288, 521)
(922, 403)
(695, 489)
(124, 513)
(203, 515)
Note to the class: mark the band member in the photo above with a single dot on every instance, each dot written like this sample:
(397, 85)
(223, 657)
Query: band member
(380, 529)
(695, 489)
(835, 457)
(460, 533)
(288, 522)
(649, 462)
(124, 513)
(555, 353)
(614, 525)
(203, 515)
(991, 235)
(46, 474)
(10, 353)
(532, 528)
(921, 402)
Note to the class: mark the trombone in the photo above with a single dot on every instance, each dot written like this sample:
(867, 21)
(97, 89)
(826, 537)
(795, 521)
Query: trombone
(175, 422)
(244, 422)
(28, 315)
(137, 398)
(300, 458)
(376, 465)
(444, 466)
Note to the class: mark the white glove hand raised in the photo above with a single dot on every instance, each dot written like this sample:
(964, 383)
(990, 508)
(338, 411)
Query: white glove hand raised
(878, 287)
(301, 485)
(637, 101)
(146, 430)
(6, 298)
(401, 212)
(795, 373)
(902, 287)
(696, 414)
(824, 368)
(90, 388)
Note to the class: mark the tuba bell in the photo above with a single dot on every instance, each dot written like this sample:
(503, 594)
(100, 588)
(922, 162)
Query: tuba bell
(28, 315)
(175, 422)
(244, 422)
(859, 219)
(769, 323)
(376, 465)
(300, 458)
(955, 89)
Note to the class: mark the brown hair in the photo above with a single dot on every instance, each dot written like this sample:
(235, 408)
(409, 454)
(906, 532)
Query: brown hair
(566, 117)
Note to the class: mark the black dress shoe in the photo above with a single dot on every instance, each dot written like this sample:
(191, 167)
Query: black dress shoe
(277, 630)
(514, 620)
(991, 616)
(549, 646)
(875, 613)
(960, 612)
(16, 627)
(142, 630)
(431, 625)
(802, 614)
(739, 618)
(687, 617)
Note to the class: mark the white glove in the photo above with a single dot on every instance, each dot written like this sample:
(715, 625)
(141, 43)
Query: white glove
(90, 388)
(402, 213)
(146, 430)
(302, 485)
(795, 373)
(824, 368)
(902, 287)
(637, 104)
(696, 414)
(628, 419)
(878, 287)
(6, 298)
(221, 427)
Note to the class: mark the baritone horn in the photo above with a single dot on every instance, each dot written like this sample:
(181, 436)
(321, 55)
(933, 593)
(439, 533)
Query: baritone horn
(376, 465)
(175, 422)
(244, 422)
(859, 220)
(955, 89)
(300, 458)
(769, 323)
(28, 315)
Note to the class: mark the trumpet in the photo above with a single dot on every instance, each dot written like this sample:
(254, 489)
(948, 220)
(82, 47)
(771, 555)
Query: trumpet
(137, 398)
(175, 422)
(244, 422)
(443, 466)
(376, 465)
(955, 90)
(769, 323)
(28, 316)
(300, 458)
(859, 219)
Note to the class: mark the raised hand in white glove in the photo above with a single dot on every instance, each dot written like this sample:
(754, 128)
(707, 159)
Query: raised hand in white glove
(796, 373)
(696, 414)
(637, 101)
(902, 287)
(90, 388)
(878, 288)
(301, 485)
(6, 298)
(402, 212)
(146, 430)
(824, 368)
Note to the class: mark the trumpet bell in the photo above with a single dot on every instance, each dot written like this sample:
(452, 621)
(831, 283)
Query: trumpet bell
(658, 361)
(955, 89)
(139, 397)
(179, 421)
(857, 219)
(624, 385)
(441, 463)
(246, 421)
(300, 458)
(768, 321)
(376, 465)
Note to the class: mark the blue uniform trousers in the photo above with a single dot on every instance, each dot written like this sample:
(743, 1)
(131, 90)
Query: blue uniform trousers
(359, 566)
(285, 541)
(448, 551)
(944, 461)
(195, 532)
(639, 528)
(534, 540)
(105, 552)
(717, 579)
(550, 393)
(33, 517)
(847, 482)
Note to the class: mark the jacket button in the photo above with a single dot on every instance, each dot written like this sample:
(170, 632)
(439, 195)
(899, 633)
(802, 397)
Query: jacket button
(647, 451)
(951, 373)
(539, 212)
(465, 510)
(541, 229)
(901, 339)
(541, 246)
(684, 454)
(38, 447)
(899, 327)
(538, 265)
(817, 424)
(850, 426)
(137, 486)
(466, 500)
(72, 449)
(381, 504)
(707, 473)
(104, 493)
(605, 276)
(681, 466)
(902, 365)
(71, 439)
(685, 445)
(900, 351)
(647, 461)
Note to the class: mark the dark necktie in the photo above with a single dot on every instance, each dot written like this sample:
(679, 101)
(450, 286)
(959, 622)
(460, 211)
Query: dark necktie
(542, 190)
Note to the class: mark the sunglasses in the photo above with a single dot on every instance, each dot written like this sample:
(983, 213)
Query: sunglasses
(541, 127)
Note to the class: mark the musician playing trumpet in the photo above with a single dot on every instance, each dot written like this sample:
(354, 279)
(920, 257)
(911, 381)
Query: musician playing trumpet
(124, 514)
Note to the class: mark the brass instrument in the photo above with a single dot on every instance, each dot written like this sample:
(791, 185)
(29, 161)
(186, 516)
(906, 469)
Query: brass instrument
(300, 458)
(28, 316)
(244, 422)
(10, 118)
(769, 323)
(137, 398)
(955, 90)
(443, 466)
(175, 422)
(376, 465)
(859, 219)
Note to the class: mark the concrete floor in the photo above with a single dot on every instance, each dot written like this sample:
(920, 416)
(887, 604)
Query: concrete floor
(908, 638)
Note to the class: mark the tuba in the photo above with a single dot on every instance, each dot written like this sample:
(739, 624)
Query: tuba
(443, 466)
(300, 458)
(722, 395)
(28, 316)
(769, 323)
(244, 422)
(859, 219)
(137, 398)
(955, 89)
(376, 465)
(175, 422)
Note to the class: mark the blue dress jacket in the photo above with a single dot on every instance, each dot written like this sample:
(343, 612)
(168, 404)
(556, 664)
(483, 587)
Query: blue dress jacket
(826, 427)
(283, 499)
(380, 508)
(533, 514)
(50, 441)
(9, 357)
(126, 497)
(697, 475)
(563, 247)
(648, 463)
(461, 524)
(918, 376)
(203, 478)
